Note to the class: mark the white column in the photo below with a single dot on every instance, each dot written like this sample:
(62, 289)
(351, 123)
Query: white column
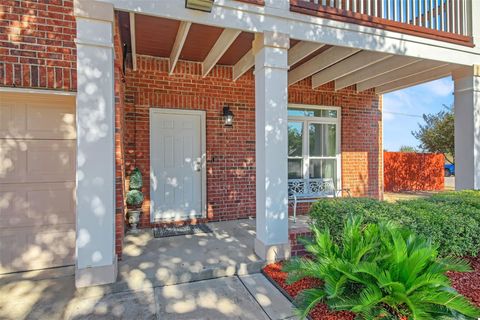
(271, 100)
(95, 247)
(467, 128)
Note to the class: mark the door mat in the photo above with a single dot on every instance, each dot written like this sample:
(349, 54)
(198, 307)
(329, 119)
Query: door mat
(181, 230)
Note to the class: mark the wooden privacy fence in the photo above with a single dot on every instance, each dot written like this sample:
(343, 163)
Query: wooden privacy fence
(410, 171)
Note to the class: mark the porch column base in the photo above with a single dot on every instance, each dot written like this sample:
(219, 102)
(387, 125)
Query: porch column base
(95, 276)
(272, 252)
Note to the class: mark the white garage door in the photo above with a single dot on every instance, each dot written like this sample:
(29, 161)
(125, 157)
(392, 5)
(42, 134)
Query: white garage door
(37, 181)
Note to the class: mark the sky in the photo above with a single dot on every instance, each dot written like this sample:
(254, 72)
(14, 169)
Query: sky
(403, 109)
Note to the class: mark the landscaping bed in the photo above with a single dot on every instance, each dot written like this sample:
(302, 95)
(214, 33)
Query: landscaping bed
(466, 283)
(380, 260)
(275, 273)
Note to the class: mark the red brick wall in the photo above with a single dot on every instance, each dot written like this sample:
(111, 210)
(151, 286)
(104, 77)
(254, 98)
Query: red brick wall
(37, 48)
(409, 171)
(294, 235)
(231, 151)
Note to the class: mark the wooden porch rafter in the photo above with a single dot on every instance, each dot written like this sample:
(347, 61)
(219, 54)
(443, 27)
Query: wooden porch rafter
(356, 62)
(318, 63)
(224, 42)
(178, 45)
(408, 71)
(373, 71)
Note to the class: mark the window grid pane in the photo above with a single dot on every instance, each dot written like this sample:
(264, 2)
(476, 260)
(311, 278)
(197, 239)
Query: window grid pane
(295, 139)
(312, 144)
(295, 168)
(319, 113)
(322, 140)
(323, 169)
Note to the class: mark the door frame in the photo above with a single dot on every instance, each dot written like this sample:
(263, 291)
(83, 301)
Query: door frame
(203, 185)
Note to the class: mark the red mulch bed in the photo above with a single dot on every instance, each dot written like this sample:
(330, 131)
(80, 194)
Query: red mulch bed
(467, 283)
(274, 271)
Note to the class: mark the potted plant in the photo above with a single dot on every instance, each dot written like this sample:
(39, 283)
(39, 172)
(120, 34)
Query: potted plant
(134, 199)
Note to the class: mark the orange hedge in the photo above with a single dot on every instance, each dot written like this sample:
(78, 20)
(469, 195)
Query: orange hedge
(410, 171)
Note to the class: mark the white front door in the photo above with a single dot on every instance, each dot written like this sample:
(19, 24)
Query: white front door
(177, 164)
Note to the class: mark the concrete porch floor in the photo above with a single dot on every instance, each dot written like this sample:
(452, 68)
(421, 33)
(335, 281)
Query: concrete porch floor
(203, 276)
(228, 251)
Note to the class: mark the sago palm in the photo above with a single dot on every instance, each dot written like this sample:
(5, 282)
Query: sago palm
(379, 271)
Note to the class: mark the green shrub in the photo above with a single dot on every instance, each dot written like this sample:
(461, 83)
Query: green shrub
(379, 271)
(134, 198)
(466, 197)
(452, 227)
(136, 181)
(451, 220)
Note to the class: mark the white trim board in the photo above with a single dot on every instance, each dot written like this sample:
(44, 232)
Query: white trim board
(37, 91)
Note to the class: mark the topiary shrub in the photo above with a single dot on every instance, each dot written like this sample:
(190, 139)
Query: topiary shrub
(134, 198)
(136, 180)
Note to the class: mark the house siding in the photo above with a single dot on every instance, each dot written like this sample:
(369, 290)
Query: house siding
(37, 50)
(230, 151)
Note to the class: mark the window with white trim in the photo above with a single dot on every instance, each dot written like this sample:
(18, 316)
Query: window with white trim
(314, 142)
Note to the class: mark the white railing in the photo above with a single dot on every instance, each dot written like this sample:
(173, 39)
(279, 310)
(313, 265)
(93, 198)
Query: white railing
(451, 16)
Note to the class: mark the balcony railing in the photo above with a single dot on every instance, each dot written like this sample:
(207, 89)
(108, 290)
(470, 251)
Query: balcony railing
(448, 20)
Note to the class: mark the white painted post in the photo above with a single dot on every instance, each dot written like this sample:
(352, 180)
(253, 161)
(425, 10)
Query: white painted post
(467, 128)
(473, 21)
(278, 4)
(96, 262)
(271, 101)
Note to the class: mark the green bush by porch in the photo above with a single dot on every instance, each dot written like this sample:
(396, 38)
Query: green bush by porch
(451, 220)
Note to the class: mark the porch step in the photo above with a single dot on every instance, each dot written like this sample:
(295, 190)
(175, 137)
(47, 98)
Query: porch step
(138, 279)
(154, 262)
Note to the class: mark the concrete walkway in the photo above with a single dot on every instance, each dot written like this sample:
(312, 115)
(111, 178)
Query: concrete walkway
(150, 262)
(229, 250)
(201, 276)
(236, 297)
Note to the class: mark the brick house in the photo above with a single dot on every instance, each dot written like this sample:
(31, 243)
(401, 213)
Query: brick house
(92, 89)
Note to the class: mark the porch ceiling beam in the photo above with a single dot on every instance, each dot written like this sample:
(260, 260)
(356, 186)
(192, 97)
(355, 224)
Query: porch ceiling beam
(347, 66)
(373, 71)
(225, 40)
(302, 50)
(430, 75)
(410, 70)
(320, 62)
(178, 45)
(133, 41)
(243, 65)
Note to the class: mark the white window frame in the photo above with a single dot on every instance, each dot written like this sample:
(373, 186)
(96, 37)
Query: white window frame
(305, 142)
